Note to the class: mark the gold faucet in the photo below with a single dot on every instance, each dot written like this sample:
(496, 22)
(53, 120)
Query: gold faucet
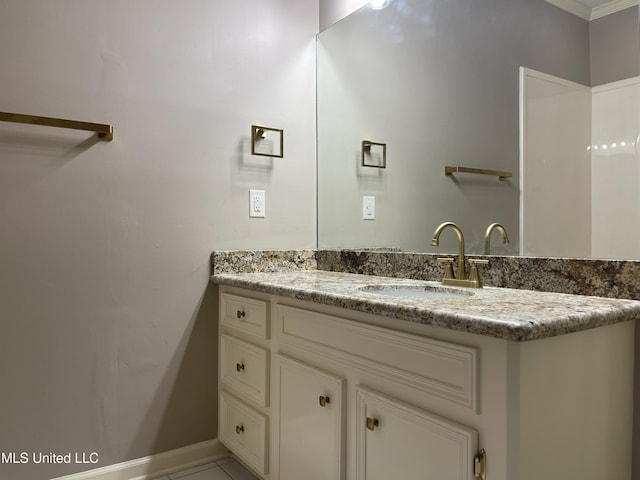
(460, 279)
(487, 236)
(435, 241)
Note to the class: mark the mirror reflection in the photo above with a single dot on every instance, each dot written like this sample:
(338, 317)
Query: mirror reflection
(492, 87)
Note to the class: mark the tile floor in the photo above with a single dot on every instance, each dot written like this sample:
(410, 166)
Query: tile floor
(227, 469)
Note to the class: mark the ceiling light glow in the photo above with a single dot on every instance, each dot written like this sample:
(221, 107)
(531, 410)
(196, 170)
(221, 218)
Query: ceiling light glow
(378, 4)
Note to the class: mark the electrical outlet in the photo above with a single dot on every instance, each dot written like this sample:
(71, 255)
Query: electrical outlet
(368, 208)
(256, 203)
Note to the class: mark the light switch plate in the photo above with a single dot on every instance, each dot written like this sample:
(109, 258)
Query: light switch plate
(257, 203)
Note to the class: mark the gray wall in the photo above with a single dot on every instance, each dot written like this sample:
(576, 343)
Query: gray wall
(108, 337)
(615, 48)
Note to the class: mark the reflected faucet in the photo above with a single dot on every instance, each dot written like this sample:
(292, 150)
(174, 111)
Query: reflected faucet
(460, 273)
(487, 236)
(460, 279)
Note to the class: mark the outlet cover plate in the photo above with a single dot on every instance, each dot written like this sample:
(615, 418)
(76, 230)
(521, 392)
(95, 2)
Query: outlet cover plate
(257, 204)
(368, 208)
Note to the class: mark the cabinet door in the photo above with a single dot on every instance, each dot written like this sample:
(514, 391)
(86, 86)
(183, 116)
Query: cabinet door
(310, 431)
(397, 440)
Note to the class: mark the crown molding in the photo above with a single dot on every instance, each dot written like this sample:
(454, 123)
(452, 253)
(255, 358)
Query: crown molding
(587, 13)
(611, 7)
(572, 6)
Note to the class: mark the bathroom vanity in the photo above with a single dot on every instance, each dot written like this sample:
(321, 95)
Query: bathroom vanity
(326, 375)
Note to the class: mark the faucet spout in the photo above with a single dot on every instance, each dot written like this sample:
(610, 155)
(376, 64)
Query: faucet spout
(460, 273)
(487, 236)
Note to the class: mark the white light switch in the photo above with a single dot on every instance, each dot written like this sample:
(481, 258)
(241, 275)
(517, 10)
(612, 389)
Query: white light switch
(256, 203)
(368, 208)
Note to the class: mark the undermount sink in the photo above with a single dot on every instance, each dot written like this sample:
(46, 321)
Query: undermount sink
(414, 291)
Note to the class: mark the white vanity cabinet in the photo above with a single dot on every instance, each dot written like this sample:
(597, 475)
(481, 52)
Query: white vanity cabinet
(391, 379)
(340, 399)
(314, 391)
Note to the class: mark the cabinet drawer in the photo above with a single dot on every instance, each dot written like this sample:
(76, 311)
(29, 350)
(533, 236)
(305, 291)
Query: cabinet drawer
(244, 431)
(440, 368)
(244, 368)
(245, 314)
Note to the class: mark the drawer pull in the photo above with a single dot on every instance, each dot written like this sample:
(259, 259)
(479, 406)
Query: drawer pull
(372, 423)
(324, 400)
(240, 367)
(240, 313)
(239, 429)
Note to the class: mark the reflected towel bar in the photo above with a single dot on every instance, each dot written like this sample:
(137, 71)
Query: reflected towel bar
(104, 131)
(501, 175)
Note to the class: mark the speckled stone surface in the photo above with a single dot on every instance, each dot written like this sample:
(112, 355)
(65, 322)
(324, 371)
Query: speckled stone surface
(605, 278)
(518, 315)
(236, 261)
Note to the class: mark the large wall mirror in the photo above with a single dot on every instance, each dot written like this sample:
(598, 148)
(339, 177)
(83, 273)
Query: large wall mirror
(519, 86)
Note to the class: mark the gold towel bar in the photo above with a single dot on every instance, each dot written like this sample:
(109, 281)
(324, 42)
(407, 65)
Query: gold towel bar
(481, 171)
(104, 131)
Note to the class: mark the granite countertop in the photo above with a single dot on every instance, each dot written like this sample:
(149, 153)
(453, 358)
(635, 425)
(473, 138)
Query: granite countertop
(511, 314)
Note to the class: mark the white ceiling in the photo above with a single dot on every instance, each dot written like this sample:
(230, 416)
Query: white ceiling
(592, 9)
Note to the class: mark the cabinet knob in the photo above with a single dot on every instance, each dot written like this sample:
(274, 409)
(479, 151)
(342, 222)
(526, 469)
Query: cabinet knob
(240, 313)
(372, 423)
(239, 429)
(239, 367)
(324, 400)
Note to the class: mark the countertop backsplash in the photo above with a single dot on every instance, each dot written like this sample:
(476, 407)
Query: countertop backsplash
(603, 278)
(254, 261)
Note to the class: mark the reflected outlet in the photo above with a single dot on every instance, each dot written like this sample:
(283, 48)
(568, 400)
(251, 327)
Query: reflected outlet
(256, 203)
(368, 208)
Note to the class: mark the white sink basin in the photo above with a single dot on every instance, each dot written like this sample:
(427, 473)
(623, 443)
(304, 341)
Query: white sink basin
(415, 291)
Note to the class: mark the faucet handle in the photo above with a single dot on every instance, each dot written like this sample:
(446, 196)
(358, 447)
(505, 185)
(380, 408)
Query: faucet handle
(478, 261)
(448, 266)
(474, 275)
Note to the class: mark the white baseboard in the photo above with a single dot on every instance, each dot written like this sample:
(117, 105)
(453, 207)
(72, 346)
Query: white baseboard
(153, 466)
